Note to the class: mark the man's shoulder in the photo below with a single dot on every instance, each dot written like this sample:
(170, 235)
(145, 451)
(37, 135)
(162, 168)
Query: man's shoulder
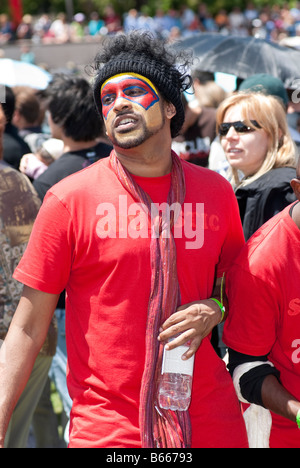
(75, 161)
(265, 241)
(86, 179)
(205, 176)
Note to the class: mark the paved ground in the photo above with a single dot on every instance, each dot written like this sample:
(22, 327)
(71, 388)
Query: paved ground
(57, 56)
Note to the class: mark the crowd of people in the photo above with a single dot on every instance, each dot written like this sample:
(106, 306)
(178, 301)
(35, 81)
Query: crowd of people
(72, 157)
(274, 23)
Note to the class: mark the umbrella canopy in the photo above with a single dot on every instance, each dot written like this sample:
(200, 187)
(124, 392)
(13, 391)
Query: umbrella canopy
(16, 73)
(243, 56)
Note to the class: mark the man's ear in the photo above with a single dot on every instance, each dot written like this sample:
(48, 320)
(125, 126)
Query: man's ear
(295, 183)
(170, 110)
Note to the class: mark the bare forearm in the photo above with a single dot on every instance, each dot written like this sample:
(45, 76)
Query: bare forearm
(16, 363)
(22, 344)
(278, 400)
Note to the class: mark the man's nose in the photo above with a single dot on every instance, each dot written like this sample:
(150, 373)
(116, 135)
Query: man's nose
(121, 103)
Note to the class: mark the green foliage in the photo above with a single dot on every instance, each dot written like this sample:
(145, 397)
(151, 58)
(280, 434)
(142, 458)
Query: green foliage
(121, 6)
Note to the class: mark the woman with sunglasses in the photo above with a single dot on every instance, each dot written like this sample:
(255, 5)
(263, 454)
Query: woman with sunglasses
(261, 153)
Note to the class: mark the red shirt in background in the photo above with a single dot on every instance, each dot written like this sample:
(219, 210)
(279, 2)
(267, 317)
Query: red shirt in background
(107, 279)
(264, 309)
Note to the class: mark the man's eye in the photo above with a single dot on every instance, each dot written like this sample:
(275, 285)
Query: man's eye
(135, 92)
(108, 99)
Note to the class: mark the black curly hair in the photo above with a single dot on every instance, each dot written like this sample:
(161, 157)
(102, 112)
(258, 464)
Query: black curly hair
(141, 53)
(71, 104)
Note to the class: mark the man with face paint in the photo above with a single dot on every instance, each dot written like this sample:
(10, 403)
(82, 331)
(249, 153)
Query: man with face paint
(146, 117)
(141, 242)
(263, 327)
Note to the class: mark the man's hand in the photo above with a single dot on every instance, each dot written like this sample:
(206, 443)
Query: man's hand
(192, 322)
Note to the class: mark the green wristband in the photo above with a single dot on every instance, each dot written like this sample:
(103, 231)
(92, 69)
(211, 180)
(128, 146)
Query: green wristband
(298, 419)
(221, 307)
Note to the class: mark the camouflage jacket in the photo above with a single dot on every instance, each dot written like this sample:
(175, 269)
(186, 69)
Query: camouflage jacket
(19, 205)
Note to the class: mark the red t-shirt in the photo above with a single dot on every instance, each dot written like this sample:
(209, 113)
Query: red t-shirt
(107, 279)
(264, 309)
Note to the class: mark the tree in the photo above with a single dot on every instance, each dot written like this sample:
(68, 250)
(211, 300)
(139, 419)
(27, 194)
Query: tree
(35, 7)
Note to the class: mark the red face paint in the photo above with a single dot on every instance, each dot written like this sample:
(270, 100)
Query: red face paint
(137, 90)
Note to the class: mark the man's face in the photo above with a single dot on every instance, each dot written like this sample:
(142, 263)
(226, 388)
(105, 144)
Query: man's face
(132, 110)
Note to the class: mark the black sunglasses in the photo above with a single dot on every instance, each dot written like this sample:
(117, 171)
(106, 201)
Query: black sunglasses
(239, 127)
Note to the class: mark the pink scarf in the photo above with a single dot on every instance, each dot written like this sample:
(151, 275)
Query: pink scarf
(159, 428)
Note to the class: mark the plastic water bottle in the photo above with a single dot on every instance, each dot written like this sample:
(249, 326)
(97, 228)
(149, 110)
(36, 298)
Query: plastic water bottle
(175, 384)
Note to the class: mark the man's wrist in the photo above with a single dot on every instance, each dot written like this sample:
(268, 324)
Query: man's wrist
(298, 419)
(221, 307)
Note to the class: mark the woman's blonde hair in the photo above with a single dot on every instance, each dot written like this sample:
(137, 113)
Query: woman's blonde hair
(270, 114)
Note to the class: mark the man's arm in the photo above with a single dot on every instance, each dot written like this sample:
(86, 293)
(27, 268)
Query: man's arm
(261, 385)
(193, 322)
(277, 399)
(26, 336)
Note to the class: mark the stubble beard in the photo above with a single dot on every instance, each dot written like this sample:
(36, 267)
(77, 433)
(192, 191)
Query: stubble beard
(135, 141)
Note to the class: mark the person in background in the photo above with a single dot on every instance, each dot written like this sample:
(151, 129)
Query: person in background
(34, 165)
(261, 153)
(59, 31)
(130, 22)
(258, 83)
(271, 85)
(76, 123)
(25, 28)
(28, 116)
(14, 146)
(262, 330)
(77, 28)
(6, 29)
(19, 205)
(199, 129)
(95, 24)
(27, 55)
(112, 20)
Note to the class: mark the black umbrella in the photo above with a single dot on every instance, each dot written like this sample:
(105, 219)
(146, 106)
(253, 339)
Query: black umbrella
(243, 56)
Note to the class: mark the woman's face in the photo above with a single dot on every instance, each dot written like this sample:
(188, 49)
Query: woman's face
(244, 151)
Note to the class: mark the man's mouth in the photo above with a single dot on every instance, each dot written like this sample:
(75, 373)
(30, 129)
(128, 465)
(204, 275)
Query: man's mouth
(125, 123)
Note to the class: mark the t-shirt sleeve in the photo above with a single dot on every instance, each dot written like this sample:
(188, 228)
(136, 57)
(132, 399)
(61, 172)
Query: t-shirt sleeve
(234, 236)
(47, 261)
(251, 324)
